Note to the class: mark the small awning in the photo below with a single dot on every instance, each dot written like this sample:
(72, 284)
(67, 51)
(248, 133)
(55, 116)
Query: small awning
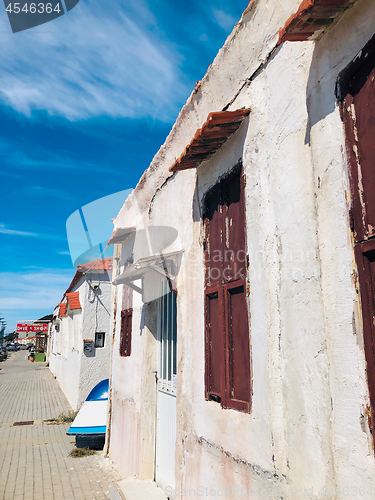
(312, 18)
(120, 234)
(208, 139)
(166, 265)
(62, 309)
(73, 300)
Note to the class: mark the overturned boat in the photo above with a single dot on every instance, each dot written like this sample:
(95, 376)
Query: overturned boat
(90, 424)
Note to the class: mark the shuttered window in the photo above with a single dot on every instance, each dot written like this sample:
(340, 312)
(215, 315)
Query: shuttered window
(126, 332)
(227, 339)
(126, 318)
(357, 87)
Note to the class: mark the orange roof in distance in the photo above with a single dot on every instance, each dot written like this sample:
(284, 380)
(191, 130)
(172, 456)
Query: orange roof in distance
(97, 265)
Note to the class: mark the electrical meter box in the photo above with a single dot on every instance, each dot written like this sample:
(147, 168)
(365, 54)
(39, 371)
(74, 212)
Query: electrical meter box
(88, 346)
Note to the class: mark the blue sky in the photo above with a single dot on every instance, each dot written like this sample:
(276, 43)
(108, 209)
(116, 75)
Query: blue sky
(85, 102)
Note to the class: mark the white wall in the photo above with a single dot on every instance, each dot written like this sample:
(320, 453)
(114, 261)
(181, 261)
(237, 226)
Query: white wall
(97, 317)
(304, 432)
(65, 355)
(76, 371)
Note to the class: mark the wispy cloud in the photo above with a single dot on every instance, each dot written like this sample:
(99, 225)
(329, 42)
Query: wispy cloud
(224, 20)
(44, 160)
(93, 61)
(64, 252)
(31, 295)
(15, 232)
(42, 236)
(50, 192)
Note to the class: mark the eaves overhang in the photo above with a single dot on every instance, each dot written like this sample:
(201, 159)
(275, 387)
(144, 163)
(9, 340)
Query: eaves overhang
(73, 300)
(120, 234)
(311, 19)
(166, 266)
(207, 140)
(62, 311)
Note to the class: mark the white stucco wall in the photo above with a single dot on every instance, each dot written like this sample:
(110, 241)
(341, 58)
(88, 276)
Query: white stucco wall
(305, 432)
(96, 318)
(76, 371)
(65, 356)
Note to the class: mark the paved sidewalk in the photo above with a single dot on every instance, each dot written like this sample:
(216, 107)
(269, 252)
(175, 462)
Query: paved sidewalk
(34, 459)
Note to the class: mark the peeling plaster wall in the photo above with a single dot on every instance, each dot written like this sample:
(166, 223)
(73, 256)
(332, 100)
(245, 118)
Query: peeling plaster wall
(305, 433)
(134, 390)
(351, 441)
(77, 372)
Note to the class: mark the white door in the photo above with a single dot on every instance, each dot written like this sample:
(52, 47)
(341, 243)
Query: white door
(166, 388)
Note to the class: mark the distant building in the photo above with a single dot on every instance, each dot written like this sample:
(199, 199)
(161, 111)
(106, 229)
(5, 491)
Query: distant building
(80, 339)
(34, 332)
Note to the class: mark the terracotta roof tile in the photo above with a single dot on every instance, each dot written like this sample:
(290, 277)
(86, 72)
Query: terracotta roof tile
(312, 18)
(208, 139)
(62, 309)
(96, 265)
(73, 300)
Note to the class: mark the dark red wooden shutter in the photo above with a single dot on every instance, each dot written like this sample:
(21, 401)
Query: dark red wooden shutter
(213, 221)
(234, 243)
(126, 332)
(214, 345)
(357, 84)
(227, 343)
(238, 352)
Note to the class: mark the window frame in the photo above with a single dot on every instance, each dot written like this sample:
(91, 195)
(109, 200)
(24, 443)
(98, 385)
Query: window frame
(222, 287)
(96, 340)
(126, 332)
(352, 84)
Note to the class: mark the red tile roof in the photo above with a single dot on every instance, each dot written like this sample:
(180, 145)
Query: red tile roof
(312, 17)
(73, 300)
(62, 309)
(208, 139)
(96, 265)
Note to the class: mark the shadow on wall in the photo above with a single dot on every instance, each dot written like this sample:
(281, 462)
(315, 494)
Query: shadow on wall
(149, 318)
(324, 86)
(233, 150)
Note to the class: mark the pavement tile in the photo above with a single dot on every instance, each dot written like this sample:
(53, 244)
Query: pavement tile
(34, 461)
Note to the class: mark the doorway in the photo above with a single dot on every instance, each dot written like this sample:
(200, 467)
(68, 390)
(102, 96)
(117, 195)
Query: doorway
(166, 387)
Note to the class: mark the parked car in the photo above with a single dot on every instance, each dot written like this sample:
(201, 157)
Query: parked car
(13, 347)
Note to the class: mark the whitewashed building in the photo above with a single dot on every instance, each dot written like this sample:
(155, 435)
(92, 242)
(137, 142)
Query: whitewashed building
(243, 360)
(80, 338)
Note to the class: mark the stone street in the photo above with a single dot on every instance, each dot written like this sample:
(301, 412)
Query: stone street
(34, 459)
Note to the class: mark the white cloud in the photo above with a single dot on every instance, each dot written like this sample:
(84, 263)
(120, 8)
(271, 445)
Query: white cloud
(31, 295)
(90, 62)
(16, 232)
(224, 20)
(9, 154)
